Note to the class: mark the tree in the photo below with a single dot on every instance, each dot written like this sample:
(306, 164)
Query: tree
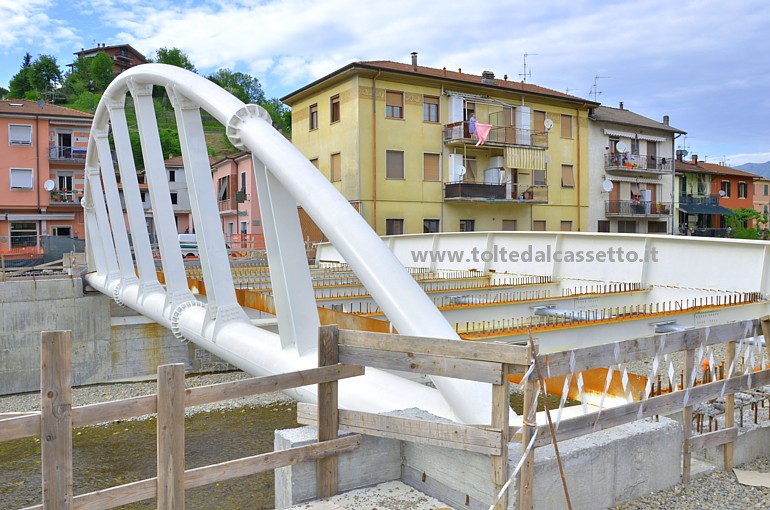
(243, 86)
(44, 74)
(101, 71)
(748, 224)
(3, 92)
(281, 115)
(174, 57)
(19, 84)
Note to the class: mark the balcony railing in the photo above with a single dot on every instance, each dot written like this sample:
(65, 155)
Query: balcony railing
(699, 199)
(64, 197)
(228, 205)
(704, 231)
(67, 153)
(627, 162)
(498, 135)
(485, 192)
(636, 208)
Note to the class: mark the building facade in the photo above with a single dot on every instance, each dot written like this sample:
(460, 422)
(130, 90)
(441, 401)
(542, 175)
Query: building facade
(123, 56)
(42, 161)
(630, 186)
(403, 144)
(236, 190)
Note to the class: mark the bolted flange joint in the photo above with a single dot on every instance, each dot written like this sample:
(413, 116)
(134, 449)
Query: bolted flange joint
(249, 111)
(177, 313)
(116, 294)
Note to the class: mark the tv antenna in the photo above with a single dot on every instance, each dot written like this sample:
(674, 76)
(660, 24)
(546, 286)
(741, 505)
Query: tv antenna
(568, 89)
(526, 73)
(595, 88)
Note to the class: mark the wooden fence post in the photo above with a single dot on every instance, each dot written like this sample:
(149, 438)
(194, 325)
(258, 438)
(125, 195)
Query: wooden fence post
(529, 417)
(500, 420)
(729, 407)
(765, 323)
(170, 432)
(328, 411)
(689, 363)
(56, 419)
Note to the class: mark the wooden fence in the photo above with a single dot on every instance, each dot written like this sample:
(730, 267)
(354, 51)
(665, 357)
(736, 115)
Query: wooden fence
(57, 417)
(344, 353)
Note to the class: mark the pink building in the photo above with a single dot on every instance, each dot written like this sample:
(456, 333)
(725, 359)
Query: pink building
(41, 174)
(238, 203)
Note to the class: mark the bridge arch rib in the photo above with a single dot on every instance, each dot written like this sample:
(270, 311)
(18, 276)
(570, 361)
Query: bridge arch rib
(284, 177)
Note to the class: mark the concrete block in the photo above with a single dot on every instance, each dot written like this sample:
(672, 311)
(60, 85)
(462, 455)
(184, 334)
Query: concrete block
(377, 460)
(753, 441)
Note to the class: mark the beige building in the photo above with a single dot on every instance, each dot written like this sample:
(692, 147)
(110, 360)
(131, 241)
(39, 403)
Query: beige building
(402, 143)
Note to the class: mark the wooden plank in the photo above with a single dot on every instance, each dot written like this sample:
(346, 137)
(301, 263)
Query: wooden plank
(19, 427)
(765, 327)
(558, 363)
(56, 419)
(482, 371)
(118, 496)
(527, 473)
(170, 436)
(256, 385)
(91, 414)
(267, 461)
(501, 421)
(689, 361)
(710, 439)
(729, 408)
(328, 411)
(447, 435)
(663, 404)
(481, 351)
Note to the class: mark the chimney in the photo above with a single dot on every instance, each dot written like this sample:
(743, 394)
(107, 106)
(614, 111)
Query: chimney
(443, 71)
(694, 159)
(414, 60)
(679, 155)
(488, 77)
(621, 105)
(505, 77)
(665, 120)
(459, 70)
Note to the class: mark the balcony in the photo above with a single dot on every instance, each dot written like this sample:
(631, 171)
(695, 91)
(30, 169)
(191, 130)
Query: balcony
(699, 199)
(487, 192)
(636, 209)
(499, 136)
(67, 154)
(63, 197)
(632, 163)
(228, 206)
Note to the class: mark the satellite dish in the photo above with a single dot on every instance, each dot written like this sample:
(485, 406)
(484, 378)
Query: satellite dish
(40, 103)
(684, 152)
(607, 185)
(622, 147)
(49, 185)
(548, 124)
(722, 193)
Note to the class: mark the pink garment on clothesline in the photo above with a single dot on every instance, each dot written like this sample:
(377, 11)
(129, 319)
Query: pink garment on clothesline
(482, 130)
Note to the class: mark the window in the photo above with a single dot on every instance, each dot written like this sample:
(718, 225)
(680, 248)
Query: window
(566, 126)
(467, 225)
(23, 235)
(61, 231)
(335, 109)
(470, 170)
(172, 176)
(635, 146)
(174, 199)
(430, 226)
(567, 177)
(335, 170)
(394, 105)
(394, 226)
(313, 116)
(21, 178)
(538, 177)
(430, 108)
(702, 184)
(243, 182)
(314, 162)
(656, 227)
(627, 227)
(566, 226)
(244, 227)
(430, 167)
(538, 225)
(65, 181)
(603, 226)
(224, 188)
(743, 190)
(19, 134)
(142, 196)
(539, 121)
(726, 188)
(765, 189)
(509, 225)
(394, 164)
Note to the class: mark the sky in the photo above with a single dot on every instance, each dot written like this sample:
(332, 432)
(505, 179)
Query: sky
(704, 63)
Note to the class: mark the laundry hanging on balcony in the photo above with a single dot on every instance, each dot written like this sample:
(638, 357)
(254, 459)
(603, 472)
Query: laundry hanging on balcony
(482, 131)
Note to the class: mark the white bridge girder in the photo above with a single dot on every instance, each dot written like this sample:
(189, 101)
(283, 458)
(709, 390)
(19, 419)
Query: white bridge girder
(284, 177)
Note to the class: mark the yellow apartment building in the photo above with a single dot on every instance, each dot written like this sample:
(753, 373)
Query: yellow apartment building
(403, 143)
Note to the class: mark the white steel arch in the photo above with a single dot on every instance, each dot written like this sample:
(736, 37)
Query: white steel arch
(284, 177)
